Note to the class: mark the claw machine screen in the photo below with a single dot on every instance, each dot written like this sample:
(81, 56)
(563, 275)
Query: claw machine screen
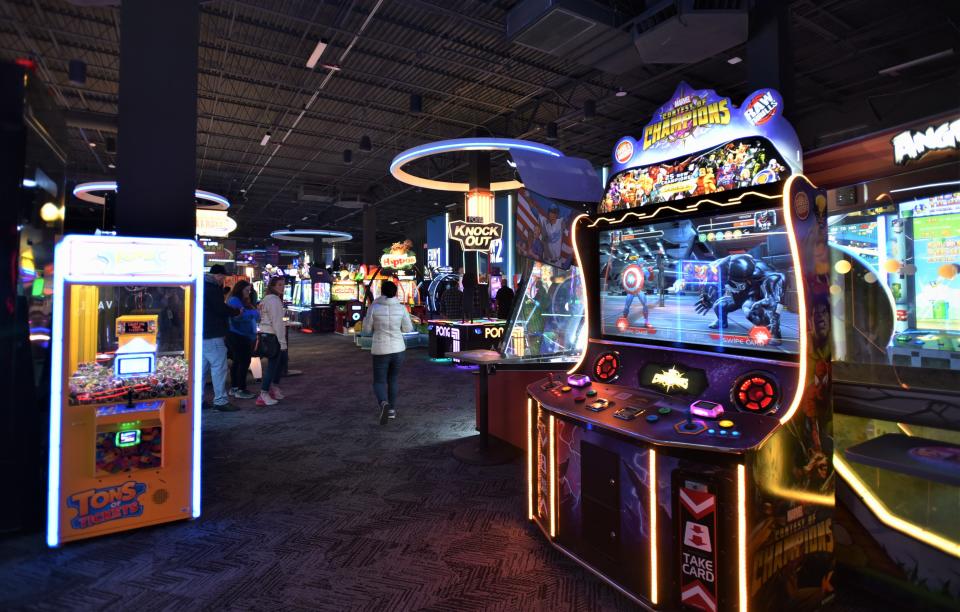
(124, 408)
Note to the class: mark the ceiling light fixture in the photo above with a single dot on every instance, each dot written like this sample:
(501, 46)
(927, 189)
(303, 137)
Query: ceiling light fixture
(111, 166)
(317, 52)
(620, 93)
(93, 145)
(265, 139)
(736, 59)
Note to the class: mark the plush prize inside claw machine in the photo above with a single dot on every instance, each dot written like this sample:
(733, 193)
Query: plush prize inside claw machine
(125, 385)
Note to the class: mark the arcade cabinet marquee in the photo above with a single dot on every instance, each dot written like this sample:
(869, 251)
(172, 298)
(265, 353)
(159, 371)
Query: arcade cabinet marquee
(686, 459)
(125, 392)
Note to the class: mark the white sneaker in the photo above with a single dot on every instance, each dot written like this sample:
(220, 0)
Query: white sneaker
(265, 400)
(275, 392)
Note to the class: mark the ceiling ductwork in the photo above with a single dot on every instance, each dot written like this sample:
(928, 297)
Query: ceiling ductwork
(689, 31)
(576, 30)
(90, 121)
(319, 194)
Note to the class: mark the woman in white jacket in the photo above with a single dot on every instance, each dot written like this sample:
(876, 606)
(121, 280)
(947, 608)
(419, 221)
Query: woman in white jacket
(387, 319)
(271, 322)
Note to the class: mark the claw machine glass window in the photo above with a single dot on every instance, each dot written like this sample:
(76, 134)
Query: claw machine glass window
(125, 406)
(548, 322)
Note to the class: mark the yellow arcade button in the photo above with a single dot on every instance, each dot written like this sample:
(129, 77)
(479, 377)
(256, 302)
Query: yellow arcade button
(565, 389)
(725, 423)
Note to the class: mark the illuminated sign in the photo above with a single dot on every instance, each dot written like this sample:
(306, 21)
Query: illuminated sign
(492, 332)
(214, 223)
(344, 291)
(475, 236)
(393, 261)
(433, 258)
(673, 379)
(496, 251)
(127, 438)
(668, 379)
(96, 506)
(130, 259)
(698, 554)
(696, 120)
(910, 145)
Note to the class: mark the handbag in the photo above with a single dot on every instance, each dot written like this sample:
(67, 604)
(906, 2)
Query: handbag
(266, 345)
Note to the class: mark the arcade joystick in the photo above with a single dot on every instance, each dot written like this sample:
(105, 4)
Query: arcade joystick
(689, 426)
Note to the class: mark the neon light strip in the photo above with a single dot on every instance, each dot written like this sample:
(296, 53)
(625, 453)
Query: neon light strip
(928, 185)
(553, 472)
(742, 535)
(84, 191)
(529, 458)
(586, 302)
(56, 398)
(801, 298)
(888, 518)
(690, 208)
(197, 380)
(652, 478)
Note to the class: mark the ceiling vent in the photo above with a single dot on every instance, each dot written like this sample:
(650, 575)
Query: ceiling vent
(314, 193)
(689, 31)
(578, 30)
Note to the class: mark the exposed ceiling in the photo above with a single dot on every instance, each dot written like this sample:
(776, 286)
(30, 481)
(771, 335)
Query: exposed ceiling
(253, 80)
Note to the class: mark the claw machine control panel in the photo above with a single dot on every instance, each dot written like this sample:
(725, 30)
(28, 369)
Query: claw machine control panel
(125, 392)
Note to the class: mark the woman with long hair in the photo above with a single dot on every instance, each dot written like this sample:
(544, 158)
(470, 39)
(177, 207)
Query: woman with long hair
(272, 330)
(241, 335)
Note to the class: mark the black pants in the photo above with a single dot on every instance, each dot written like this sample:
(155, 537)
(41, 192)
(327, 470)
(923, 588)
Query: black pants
(240, 350)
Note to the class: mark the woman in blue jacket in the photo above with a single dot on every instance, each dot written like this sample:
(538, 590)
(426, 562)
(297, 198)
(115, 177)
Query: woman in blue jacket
(241, 337)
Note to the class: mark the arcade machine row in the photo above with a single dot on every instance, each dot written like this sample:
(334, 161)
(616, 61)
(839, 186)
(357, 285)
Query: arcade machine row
(895, 288)
(686, 459)
(125, 397)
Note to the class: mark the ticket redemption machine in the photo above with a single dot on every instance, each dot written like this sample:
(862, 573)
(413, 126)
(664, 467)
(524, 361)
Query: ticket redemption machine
(124, 418)
(686, 458)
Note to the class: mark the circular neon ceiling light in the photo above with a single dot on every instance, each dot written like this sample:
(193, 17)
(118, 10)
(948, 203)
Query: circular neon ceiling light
(88, 192)
(281, 252)
(308, 235)
(458, 145)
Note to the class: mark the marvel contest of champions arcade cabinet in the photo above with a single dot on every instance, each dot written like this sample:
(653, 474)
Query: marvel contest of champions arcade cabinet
(125, 398)
(686, 459)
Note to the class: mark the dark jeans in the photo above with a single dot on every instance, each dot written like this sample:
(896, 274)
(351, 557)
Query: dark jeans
(241, 348)
(386, 370)
(273, 371)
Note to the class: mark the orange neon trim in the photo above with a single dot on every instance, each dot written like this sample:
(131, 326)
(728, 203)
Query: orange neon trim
(888, 518)
(529, 459)
(742, 536)
(586, 302)
(652, 469)
(801, 300)
(553, 493)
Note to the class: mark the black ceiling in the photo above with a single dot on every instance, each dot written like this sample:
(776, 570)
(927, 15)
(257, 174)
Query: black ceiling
(252, 79)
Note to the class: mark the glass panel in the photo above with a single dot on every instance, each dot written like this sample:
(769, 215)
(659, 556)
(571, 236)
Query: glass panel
(126, 344)
(549, 319)
(896, 292)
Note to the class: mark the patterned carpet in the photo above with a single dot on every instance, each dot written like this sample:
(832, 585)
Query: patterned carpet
(310, 505)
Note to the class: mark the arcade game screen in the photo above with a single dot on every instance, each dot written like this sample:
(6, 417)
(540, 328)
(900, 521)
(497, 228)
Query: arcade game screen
(304, 294)
(712, 281)
(896, 270)
(321, 294)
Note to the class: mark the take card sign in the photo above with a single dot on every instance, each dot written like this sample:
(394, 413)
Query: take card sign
(698, 553)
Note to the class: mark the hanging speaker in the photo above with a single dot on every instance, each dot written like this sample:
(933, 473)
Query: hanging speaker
(347, 156)
(551, 131)
(365, 145)
(111, 144)
(416, 103)
(589, 109)
(78, 72)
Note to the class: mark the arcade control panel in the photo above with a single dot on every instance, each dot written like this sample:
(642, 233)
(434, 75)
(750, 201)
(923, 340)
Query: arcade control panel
(727, 403)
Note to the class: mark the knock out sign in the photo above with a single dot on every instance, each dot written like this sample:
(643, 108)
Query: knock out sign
(475, 236)
(698, 553)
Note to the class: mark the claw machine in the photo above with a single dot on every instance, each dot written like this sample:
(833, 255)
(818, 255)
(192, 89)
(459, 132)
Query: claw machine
(125, 385)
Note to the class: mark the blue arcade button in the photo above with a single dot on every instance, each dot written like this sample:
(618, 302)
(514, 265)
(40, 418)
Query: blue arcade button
(652, 418)
(723, 432)
(735, 434)
(711, 431)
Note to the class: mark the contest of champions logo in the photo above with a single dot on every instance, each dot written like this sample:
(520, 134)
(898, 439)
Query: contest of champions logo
(687, 113)
(668, 379)
(96, 506)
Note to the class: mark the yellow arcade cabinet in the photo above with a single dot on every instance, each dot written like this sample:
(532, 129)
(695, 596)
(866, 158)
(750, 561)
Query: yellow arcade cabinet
(125, 385)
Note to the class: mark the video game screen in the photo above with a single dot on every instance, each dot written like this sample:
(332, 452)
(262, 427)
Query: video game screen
(936, 255)
(721, 281)
(304, 294)
(321, 294)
